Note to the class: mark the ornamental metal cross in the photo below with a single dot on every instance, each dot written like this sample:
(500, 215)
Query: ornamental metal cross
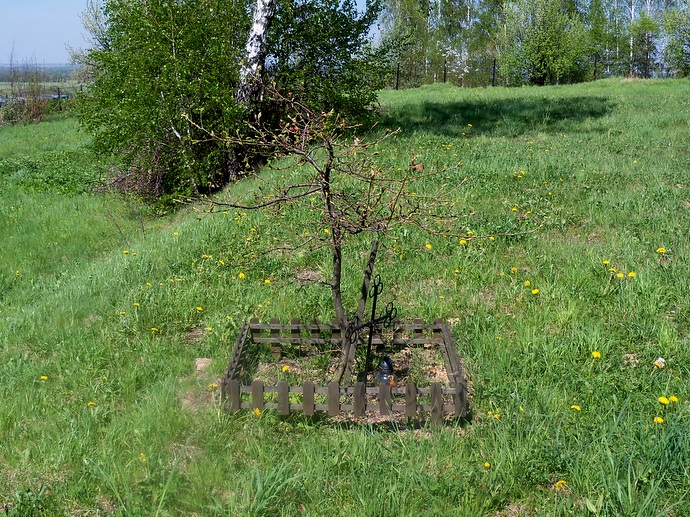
(385, 321)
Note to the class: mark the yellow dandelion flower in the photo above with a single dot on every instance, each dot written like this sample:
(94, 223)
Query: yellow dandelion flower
(575, 407)
(428, 246)
(672, 398)
(522, 409)
(199, 309)
(154, 329)
(561, 485)
(122, 313)
(142, 457)
(661, 250)
(632, 274)
(513, 270)
(136, 304)
(612, 270)
(286, 368)
(535, 292)
(326, 230)
(663, 400)
(620, 275)
(125, 252)
(176, 234)
(596, 354)
(257, 411)
(45, 378)
(487, 465)
(463, 242)
(211, 387)
(241, 276)
(267, 281)
(658, 420)
(528, 283)
(607, 262)
(91, 403)
(209, 329)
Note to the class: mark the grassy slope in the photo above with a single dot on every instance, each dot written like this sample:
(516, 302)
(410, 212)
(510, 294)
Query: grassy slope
(602, 168)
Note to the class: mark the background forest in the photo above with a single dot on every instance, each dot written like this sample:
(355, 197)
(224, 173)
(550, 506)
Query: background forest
(501, 42)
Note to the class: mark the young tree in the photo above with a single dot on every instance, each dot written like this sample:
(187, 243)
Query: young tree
(597, 34)
(643, 35)
(677, 52)
(544, 44)
(357, 196)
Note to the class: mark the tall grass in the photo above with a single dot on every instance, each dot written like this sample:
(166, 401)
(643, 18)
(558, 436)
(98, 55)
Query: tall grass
(104, 310)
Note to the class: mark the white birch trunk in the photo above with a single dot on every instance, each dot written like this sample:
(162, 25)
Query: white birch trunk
(257, 45)
(632, 40)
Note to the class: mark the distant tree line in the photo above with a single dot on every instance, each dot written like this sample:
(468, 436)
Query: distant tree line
(517, 42)
(24, 73)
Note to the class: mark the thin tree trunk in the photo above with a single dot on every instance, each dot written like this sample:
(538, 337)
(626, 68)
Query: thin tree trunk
(337, 276)
(249, 87)
(347, 353)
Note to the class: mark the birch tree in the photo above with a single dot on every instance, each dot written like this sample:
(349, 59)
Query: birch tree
(255, 52)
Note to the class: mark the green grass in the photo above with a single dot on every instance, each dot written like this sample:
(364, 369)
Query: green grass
(101, 413)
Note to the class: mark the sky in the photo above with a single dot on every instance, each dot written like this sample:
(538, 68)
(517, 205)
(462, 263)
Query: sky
(36, 31)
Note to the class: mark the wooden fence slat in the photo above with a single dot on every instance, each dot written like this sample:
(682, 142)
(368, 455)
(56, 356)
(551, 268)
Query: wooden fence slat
(283, 398)
(385, 398)
(436, 404)
(460, 399)
(419, 325)
(232, 393)
(397, 336)
(276, 349)
(410, 400)
(308, 398)
(333, 399)
(258, 395)
(253, 327)
(360, 396)
(336, 338)
(295, 333)
(437, 333)
(445, 352)
(316, 329)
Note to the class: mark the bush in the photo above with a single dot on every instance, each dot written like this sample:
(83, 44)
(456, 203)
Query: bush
(166, 74)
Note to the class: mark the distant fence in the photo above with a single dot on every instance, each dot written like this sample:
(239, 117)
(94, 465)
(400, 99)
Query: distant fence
(434, 402)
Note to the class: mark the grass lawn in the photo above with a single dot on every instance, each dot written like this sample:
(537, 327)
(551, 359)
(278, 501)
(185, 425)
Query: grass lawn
(104, 309)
